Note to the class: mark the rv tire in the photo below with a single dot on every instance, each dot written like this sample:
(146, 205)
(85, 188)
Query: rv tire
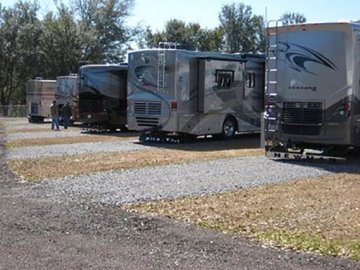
(228, 128)
(124, 128)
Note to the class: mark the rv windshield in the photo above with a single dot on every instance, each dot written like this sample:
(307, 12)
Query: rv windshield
(101, 81)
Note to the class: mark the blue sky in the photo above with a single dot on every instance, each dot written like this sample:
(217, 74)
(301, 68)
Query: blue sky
(155, 13)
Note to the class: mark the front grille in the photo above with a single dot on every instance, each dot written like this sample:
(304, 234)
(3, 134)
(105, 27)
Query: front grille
(154, 108)
(147, 121)
(147, 108)
(140, 108)
(302, 112)
(302, 118)
(147, 113)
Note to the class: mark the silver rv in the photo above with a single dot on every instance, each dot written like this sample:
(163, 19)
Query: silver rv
(188, 93)
(312, 90)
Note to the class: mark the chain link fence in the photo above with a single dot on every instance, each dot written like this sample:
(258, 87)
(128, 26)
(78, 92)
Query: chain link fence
(13, 111)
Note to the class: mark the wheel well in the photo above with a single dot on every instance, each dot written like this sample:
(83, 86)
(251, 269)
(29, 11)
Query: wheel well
(233, 119)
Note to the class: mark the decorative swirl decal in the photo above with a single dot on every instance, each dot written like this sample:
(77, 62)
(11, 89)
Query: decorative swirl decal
(146, 75)
(298, 56)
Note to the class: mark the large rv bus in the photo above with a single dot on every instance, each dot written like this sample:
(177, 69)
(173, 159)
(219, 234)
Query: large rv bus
(67, 91)
(312, 90)
(188, 93)
(39, 96)
(102, 96)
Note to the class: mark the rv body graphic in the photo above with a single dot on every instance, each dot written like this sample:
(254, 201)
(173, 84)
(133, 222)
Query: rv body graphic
(39, 96)
(312, 90)
(102, 96)
(67, 91)
(172, 91)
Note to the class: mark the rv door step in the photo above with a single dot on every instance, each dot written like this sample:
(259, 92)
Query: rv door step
(302, 156)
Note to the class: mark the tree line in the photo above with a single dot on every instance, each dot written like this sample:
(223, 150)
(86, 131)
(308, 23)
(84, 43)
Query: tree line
(96, 31)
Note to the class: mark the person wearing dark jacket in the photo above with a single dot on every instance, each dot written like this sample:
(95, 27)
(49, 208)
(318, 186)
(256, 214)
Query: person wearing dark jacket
(54, 110)
(65, 114)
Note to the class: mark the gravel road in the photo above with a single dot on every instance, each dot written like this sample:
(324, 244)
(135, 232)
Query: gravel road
(75, 223)
(73, 149)
(170, 181)
(45, 134)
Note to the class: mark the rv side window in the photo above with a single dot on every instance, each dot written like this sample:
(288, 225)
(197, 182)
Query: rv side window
(224, 78)
(250, 80)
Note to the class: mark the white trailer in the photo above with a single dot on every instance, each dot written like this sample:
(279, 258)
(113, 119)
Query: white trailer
(188, 93)
(39, 96)
(67, 91)
(312, 90)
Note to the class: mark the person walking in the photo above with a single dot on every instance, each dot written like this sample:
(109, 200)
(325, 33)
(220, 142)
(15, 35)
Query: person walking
(65, 114)
(54, 110)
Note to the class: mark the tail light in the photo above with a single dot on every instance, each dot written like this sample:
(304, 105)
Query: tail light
(342, 112)
(345, 109)
(173, 105)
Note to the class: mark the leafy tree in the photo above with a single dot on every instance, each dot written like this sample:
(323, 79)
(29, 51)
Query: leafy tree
(211, 40)
(60, 49)
(188, 36)
(103, 31)
(92, 30)
(242, 30)
(153, 39)
(175, 31)
(138, 36)
(292, 18)
(259, 34)
(19, 35)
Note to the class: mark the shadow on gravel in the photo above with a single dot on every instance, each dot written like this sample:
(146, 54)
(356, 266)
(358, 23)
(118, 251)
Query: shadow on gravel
(352, 165)
(118, 134)
(241, 141)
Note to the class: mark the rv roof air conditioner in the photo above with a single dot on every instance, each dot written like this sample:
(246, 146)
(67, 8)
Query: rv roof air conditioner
(167, 45)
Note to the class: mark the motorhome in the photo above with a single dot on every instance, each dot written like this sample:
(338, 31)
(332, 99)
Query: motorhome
(188, 93)
(312, 90)
(39, 96)
(102, 96)
(67, 91)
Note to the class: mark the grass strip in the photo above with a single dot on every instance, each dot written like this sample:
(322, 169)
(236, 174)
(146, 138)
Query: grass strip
(49, 167)
(317, 214)
(63, 140)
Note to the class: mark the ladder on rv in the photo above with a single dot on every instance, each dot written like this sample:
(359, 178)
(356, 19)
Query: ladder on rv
(161, 71)
(271, 79)
(161, 77)
(272, 62)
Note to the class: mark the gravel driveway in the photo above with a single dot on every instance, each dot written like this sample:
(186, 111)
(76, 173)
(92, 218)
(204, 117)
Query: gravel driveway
(73, 149)
(75, 223)
(169, 181)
